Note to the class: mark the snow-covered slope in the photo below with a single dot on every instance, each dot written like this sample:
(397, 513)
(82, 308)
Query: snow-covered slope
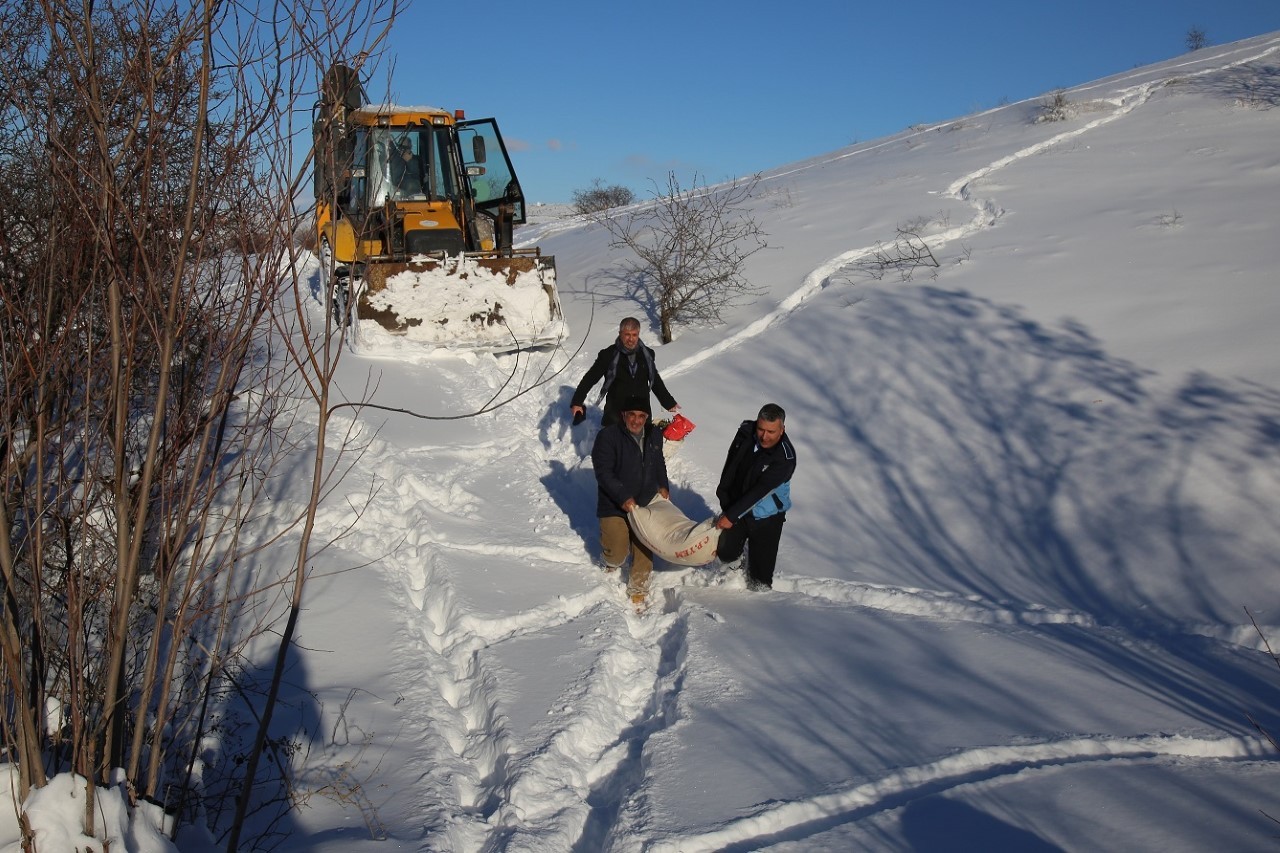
(1034, 523)
(1036, 491)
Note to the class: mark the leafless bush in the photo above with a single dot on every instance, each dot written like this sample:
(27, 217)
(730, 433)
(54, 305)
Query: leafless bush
(1054, 106)
(919, 224)
(692, 244)
(1275, 658)
(599, 198)
(779, 197)
(1196, 38)
(906, 255)
(344, 782)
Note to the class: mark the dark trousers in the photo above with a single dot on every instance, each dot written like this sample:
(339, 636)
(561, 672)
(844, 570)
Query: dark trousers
(761, 535)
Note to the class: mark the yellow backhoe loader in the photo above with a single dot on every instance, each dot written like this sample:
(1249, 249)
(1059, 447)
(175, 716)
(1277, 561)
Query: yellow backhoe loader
(415, 213)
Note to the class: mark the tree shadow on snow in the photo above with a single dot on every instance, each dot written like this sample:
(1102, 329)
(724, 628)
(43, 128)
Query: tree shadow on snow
(631, 288)
(1118, 523)
(1255, 85)
(939, 824)
(991, 455)
(295, 747)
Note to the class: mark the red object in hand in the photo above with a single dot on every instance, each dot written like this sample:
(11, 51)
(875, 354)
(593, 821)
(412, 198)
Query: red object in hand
(679, 427)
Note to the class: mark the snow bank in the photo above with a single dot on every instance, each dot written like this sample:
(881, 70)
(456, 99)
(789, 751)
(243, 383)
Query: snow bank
(56, 811)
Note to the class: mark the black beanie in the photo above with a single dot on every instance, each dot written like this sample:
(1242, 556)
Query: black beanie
(635, 403)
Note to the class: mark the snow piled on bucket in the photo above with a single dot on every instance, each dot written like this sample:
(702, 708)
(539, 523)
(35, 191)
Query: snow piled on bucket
(461, 304)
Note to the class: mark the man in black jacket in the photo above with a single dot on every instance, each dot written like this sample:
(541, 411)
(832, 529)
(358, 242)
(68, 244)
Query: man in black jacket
(628, 370)
(406, 172)
(755, 494)
(630, 470)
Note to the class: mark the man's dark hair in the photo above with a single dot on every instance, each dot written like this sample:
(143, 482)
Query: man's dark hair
(772, 412)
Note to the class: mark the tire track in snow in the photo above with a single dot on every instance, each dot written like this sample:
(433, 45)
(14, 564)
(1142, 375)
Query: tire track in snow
(566, 791)
(958, 607)
(987, 212)
(478, 789)
(930, 604)
(799, 819)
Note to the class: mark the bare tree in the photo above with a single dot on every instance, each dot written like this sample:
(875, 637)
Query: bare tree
(692, 246)
(146, 215)
(1196, 38)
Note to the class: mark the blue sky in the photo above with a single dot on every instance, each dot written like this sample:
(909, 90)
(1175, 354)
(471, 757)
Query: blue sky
(627, 93)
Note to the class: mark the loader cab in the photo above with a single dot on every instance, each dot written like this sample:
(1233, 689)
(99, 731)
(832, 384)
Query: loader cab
(414, 214)
(414, 181)
(403, 164)
(406, 192)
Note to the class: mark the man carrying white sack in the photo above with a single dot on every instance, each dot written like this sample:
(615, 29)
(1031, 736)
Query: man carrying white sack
(630, 472)
(755, 494)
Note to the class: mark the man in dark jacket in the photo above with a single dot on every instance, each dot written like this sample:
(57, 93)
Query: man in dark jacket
(755, 494)
(628, 370)
(406, 171)
(630, 470)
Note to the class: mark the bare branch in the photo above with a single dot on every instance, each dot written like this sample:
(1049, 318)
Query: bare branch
(690, 249)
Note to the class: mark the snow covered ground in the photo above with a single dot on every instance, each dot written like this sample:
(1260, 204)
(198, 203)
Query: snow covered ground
(1035, 494)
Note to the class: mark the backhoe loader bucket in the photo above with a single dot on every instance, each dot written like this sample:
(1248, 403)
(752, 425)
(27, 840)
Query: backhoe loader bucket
(479, 302)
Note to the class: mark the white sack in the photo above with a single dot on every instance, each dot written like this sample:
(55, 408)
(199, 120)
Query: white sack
(672, 536)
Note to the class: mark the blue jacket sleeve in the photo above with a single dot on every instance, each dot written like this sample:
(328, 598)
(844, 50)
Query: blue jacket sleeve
(775, 475)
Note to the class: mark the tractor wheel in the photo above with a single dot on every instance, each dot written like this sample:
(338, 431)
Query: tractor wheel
(335, 281)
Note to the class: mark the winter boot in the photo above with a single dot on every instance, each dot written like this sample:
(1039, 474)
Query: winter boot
(639, 597)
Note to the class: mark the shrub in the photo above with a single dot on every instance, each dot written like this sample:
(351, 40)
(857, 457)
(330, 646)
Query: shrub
(599, 197)
(1055, 106)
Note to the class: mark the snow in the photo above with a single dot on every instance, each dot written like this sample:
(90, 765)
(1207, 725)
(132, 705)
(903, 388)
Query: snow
(460, 303)
(1034, 496)
(56, 810)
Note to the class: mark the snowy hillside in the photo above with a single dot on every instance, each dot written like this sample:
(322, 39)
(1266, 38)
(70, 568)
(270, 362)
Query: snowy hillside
(1037, 489)
(1035, 494)
(542, 213)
